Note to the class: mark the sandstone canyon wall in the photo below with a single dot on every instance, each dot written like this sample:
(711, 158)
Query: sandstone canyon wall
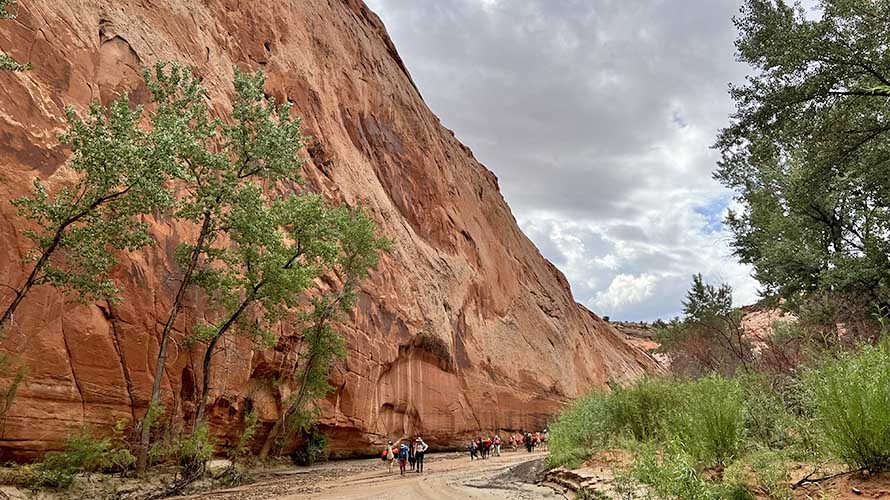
(519, 346)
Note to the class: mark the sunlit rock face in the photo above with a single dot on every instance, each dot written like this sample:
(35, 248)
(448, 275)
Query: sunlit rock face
(518, 346)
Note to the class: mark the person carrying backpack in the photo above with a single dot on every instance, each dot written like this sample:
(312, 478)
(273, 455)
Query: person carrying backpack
(472, 449)
(403, 458)
(419, 451)
(389, 455)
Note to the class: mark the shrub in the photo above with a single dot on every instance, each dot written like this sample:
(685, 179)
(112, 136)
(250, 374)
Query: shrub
(580, 430)
(850, 401)
(710, 421)
(312, 449)
(767, 419)
(190, 452)
(638, 412)
(770, 470)
(642, 409)
(671, 473)
(241, 448)
(83, 453)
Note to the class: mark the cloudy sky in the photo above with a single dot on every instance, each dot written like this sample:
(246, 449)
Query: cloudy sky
(597, 117)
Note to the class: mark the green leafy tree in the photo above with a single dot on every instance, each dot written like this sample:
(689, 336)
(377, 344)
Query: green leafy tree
(222, 165)
(7, 63)
(807, 149)
(120, 172)
(358, 251)
(709, 337)
(277, 250)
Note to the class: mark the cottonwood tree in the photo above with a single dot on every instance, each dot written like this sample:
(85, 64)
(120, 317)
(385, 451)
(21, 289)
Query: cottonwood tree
(222, 163)
(120, 170)
(808, 150)
(76, 229)
(7, 63)
(276, 252)
(358, 251)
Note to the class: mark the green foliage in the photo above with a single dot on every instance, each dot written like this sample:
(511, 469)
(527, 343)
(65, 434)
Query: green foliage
(241, 448)
(642, 409)
(806, 149)
(7, 63)
(767, 419)
(764, 469)
(120, 173)
(189, 451)
(585, 493)
(709, 422)
(580, 430)
(670, 473)
(83, 453)
(639, 412)
(120, 161)
(850, 401)
(709, 338)
(313, 448)
(357, 250)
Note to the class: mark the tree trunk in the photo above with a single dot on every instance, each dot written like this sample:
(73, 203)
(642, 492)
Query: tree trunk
(145, 438)
(32, 277)
(208, 354)
(270, 438)
(205, 385)
(276, 429)
(47, 253)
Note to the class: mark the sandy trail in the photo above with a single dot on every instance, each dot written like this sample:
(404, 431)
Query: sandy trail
(445, 477)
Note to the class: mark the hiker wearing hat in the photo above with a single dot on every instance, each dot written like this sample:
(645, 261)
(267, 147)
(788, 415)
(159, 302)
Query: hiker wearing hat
(389, 455)
(419, 450)
(403, 458)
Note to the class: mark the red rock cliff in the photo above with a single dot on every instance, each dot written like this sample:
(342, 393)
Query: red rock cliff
(519, 345)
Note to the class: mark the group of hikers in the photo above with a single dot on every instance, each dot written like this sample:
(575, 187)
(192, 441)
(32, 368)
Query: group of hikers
(406, 454)
(411, 454)
(482, 448)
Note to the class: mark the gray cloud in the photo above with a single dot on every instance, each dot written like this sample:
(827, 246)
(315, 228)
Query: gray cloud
(597, 116)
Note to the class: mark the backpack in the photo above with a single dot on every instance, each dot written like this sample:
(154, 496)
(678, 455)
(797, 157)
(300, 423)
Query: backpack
(403, 453)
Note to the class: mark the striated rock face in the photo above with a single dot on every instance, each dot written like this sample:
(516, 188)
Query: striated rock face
(518, 346)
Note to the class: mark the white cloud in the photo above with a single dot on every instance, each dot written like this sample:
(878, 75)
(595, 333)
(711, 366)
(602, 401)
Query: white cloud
(626, 290)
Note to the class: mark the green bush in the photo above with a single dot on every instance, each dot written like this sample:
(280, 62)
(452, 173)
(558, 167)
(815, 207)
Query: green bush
(190, 451)
(710, 421)
(850, 402)
(770, 468)
(83, 453)
(580, 430)
(768, 421)
(241, 448)
(642, 409)
(312, 449)
(671, 473)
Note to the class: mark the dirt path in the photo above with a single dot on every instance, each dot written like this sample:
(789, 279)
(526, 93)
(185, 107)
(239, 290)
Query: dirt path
(445, 477)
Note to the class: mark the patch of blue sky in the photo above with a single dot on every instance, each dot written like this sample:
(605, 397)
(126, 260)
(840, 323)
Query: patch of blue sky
(713, 213)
